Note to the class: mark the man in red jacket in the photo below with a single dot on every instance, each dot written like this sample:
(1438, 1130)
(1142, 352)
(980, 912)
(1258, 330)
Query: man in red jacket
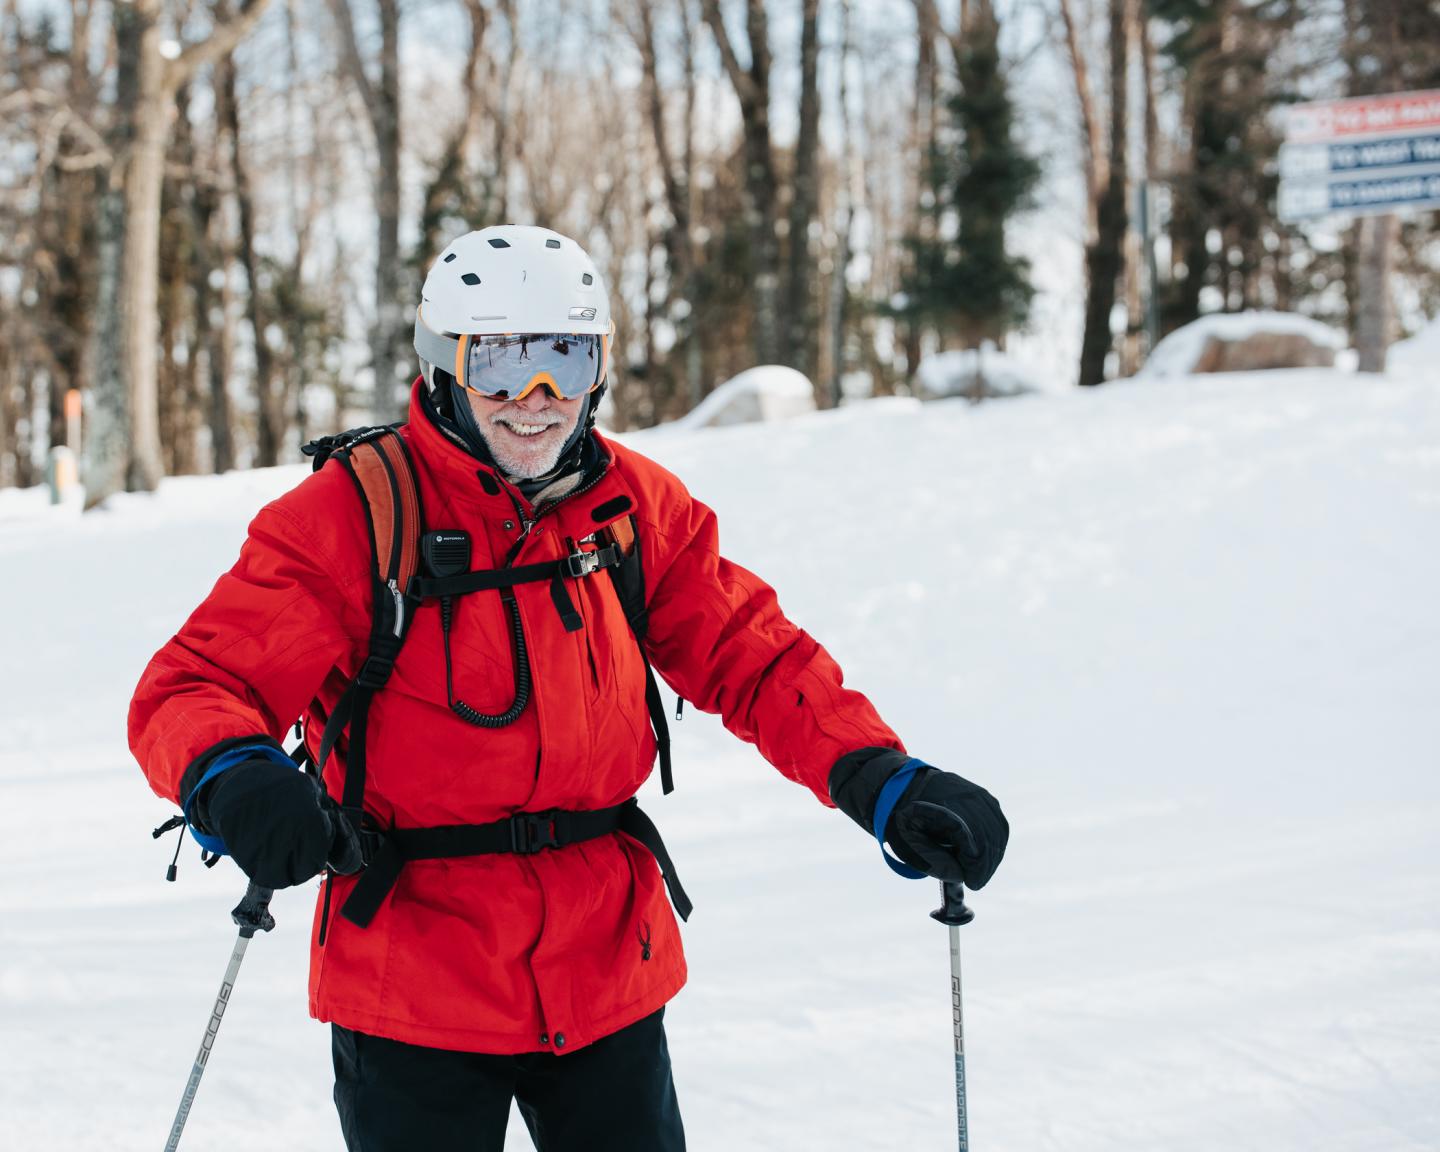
(503, 930)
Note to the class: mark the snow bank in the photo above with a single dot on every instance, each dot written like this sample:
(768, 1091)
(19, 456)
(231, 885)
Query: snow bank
(760, 395)
(1420, 353)
(24, 503)
(977, 373)
(1181, 352)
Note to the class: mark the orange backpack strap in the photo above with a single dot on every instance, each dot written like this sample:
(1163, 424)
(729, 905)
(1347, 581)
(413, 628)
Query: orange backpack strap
(379, 463)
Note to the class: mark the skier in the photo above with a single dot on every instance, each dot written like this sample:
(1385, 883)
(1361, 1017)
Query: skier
(493, 922)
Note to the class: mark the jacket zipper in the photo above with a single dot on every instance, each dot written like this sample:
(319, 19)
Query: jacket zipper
(394, 586)
(526, 523)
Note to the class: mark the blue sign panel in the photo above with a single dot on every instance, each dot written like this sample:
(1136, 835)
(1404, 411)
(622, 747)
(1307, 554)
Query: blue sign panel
(1298, 161)
(1360, 196)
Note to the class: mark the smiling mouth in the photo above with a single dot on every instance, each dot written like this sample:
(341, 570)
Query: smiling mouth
(525, 431)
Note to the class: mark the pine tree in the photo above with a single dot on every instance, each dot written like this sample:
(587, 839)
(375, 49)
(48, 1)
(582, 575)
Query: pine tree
(962, 279)
(989, 286)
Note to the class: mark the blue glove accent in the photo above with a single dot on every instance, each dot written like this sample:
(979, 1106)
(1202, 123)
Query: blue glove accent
(225, 761)
(885, 804)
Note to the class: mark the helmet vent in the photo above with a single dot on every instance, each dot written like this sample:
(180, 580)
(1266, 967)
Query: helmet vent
(450, 257)
(552, 243)
(497, 242)
(587, 279)
(471, 279)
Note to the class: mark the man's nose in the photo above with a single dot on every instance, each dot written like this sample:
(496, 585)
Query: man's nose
(535, 400)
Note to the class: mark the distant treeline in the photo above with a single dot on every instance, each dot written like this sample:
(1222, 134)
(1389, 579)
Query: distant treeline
(215, 214)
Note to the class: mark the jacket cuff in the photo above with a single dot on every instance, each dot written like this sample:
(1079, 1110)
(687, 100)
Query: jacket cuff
(191, 778)
(857, 777)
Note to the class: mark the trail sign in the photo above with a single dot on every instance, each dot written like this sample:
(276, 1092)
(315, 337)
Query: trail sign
(1361, 157)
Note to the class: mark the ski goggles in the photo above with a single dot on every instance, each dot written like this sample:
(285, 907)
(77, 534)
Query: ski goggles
(510, 367)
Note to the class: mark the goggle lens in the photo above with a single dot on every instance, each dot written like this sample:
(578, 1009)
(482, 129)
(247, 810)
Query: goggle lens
(569, 364)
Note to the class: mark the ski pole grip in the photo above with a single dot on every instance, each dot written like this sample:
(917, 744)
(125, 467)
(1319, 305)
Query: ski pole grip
(952, 908)
(252, 914)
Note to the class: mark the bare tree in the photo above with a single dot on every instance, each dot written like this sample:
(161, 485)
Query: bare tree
(677, 180)
(1105, 255)
(752, 89)
(269, 418)
(849, 190)
(124, 447)
(452, 188)
(1093, 145)
(800, 339)
(380, 97)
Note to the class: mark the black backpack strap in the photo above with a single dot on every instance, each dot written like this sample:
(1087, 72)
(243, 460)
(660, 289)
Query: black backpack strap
(629, 579)
(379, 463)
(524, 833)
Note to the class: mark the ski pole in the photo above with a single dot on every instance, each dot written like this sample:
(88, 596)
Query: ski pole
(952, 911)
(252, 914)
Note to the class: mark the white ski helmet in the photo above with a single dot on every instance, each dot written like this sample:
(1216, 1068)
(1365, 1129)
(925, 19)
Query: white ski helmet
(508, 278)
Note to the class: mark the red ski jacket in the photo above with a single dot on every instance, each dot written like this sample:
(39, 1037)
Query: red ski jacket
(499, 953)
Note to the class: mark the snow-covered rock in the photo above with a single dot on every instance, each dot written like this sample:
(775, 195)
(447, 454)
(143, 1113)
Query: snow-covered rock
(760, 395)
(977, 374)
(1244, 342)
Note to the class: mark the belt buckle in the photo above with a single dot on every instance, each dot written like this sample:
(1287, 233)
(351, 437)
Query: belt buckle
(579, 564)
(530, 832)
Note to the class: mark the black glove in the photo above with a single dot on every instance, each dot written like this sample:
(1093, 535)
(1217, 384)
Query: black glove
(277, 823)
(942, 824)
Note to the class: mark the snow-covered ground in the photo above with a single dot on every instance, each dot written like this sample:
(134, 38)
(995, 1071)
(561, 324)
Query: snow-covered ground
(1188, 633)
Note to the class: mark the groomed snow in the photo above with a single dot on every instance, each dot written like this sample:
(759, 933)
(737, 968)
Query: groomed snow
(1189, 636)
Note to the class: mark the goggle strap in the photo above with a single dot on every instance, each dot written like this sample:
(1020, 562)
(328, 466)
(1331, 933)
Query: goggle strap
(434, 347)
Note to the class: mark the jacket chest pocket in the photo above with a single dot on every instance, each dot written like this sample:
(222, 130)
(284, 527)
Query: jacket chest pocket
(481, 654)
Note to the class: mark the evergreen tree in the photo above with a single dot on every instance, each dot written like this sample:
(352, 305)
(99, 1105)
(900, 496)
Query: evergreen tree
(962, 279)
(994, 177)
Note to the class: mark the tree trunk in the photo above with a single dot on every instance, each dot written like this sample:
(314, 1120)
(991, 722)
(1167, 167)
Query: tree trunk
(752, 87)
(124, 450)
(804, 199)
(11, 443)
(1093, 152)
(1104, 259)
(140, 272)
(1132, 268)
(382, 106)
(679, 256)
(107, 448)
(209, 337)
(924, 201)
(388, 349)
(1372, 328)
(270, 415)
(848, 187)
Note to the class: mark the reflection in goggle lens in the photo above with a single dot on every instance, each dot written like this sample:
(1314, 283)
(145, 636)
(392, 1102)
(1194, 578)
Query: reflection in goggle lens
(508, 367)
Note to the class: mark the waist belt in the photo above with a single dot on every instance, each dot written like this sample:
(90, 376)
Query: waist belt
(524, 833)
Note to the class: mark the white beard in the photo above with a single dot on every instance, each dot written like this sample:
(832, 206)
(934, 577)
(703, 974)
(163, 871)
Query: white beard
(526, 458)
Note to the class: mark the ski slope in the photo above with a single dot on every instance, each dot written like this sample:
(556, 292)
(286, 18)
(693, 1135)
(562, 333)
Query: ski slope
(1187, 631)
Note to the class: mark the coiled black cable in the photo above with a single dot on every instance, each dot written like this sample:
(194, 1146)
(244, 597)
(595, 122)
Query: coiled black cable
(522, 670)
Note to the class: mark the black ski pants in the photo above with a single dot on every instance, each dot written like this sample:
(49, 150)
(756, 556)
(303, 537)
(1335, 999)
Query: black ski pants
(616, 1095)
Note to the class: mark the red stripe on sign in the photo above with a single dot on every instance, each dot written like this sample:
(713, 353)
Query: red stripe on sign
(1362, 116)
